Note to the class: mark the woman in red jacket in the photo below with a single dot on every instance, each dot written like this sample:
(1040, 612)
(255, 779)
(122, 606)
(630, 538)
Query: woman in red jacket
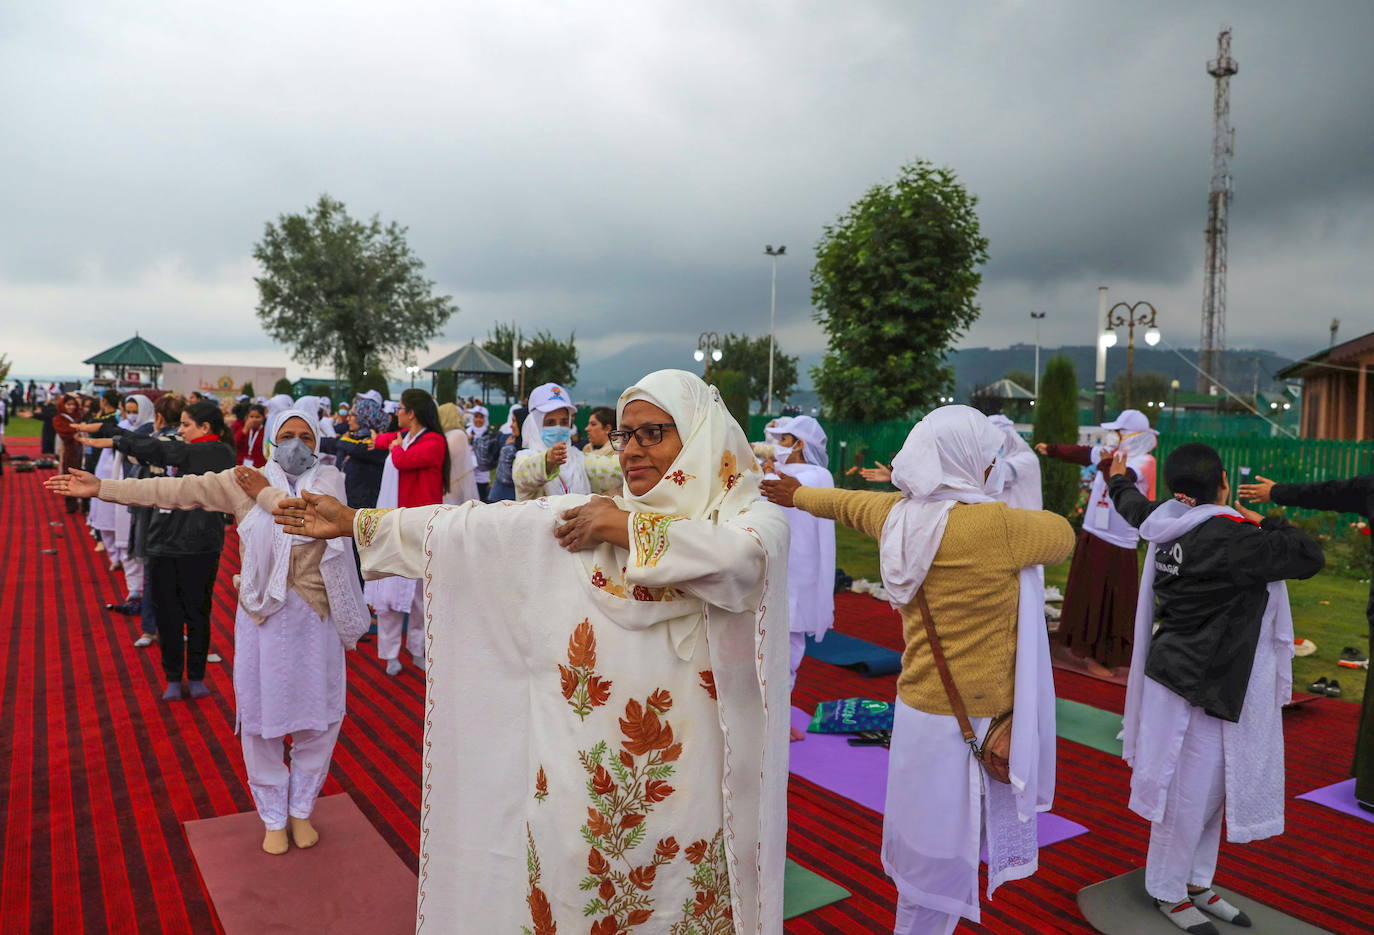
(416, 474)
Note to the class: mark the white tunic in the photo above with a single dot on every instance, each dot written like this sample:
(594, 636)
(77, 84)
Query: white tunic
(577, 766)
(810, 560)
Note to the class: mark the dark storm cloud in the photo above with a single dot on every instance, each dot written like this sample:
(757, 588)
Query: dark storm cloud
(617, 170)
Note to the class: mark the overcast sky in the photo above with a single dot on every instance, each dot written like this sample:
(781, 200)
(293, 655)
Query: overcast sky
(617, 168)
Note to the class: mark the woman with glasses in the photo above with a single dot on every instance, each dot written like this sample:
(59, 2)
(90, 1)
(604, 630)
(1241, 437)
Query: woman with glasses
(416, 474)
(551, 465)
(609, 746)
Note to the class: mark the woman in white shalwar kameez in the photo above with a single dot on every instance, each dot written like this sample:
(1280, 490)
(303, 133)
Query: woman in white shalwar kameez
(605, 747)
(799, 451)
(299, 608)
(1017, 470)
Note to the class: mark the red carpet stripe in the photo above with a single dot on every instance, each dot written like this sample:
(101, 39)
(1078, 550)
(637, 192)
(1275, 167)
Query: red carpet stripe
(100, 774)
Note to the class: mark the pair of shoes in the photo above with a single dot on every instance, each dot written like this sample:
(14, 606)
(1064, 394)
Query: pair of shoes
(197, 689)
(133, 607)
(1321, 686)
(173, 692)
(213, 657)
(1352, 658)
(145, 639)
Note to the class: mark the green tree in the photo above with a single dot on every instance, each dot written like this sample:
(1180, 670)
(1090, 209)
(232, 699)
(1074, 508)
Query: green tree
(1147, 389)
(319, 389)
(337, 289)
(446, 387)
(749, 355)
(894, 285)
(5, 365)
(248, 390)
(283, 385)
(734, 392)
(1056, 423)
(375, 380)
(555, 360)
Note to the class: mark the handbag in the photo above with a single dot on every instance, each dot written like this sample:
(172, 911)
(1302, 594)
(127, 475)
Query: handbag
(995, 753)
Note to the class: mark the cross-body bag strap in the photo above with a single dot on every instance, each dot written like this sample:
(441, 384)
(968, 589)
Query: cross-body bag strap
(942, 666)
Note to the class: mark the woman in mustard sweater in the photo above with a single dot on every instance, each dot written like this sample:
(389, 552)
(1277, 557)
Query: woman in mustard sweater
(974, 558)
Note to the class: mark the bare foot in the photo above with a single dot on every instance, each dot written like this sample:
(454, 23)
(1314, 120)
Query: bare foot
(274, 842)
(798, 734)
(303, 833)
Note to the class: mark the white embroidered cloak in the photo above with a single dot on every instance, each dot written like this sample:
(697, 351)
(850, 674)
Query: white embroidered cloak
(605, 738)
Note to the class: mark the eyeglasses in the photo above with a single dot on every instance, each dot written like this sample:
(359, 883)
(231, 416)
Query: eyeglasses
(648, 435)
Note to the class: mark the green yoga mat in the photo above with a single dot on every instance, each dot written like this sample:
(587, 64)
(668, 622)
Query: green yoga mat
(803, 891)
(1089, 726)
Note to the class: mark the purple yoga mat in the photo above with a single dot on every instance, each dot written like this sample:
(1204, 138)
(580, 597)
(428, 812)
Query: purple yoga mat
(1341, 797)
(860, 774)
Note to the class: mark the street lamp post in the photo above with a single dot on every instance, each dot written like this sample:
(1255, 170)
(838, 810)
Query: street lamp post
(412, 370)
(523, 366)
(772, 315)
(708, 350)
(1037, 317)
(1123, 313)
(1173, 409)
(1100, 381)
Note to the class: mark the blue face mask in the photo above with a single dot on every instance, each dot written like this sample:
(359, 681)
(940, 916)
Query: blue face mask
(294, 456)
(555, 434)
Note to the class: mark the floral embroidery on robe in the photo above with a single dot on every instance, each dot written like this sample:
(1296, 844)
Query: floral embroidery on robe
(368, 522)
(582, 687)
(651, 537)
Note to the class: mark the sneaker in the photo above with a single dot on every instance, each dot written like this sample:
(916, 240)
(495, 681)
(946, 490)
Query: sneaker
(1187, 917)
(147, 639)
(1333, 688)
(1351, 654)
(1318, 687)
(214, 657)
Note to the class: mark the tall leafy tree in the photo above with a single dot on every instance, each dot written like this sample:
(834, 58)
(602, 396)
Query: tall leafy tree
(894, 285)
(282, 385)
(1056, 423)
(339, 290)
(555, 360)
(1147, 388)
(446, 387)
(749, 356)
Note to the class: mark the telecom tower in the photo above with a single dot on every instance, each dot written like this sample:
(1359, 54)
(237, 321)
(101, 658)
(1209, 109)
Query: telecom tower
(1218, 201)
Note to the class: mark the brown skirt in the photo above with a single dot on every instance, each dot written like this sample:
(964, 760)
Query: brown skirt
(1098, 620)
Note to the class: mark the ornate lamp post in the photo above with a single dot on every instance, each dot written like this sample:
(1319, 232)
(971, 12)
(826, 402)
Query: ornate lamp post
(1130, 315)
(772, 314)
(708, 350)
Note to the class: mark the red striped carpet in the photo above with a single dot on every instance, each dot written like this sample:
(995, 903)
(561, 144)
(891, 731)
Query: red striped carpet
(98, 775)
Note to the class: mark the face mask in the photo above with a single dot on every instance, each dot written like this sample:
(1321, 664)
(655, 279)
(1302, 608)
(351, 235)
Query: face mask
(555, 434)
(1111, 440)
(781, 454)
(294, 456)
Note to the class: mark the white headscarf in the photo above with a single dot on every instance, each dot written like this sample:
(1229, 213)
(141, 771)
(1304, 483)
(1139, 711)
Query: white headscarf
(1136, 435)
(277, 419)
(809, 431)
(479, 430)
(941, 464)
(1017, 474)
(279, 403)
(715, 471)
(373, 395)
(145, 411)
(550, 397)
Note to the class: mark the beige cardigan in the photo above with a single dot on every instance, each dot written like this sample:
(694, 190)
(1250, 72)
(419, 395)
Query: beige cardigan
(221, 493)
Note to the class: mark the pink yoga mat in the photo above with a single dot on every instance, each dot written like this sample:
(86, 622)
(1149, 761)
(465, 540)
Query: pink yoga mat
(860, 775)
(350, 883)
(1341, 797)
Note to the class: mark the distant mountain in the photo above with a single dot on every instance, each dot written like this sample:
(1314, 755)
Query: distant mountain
(979, 366)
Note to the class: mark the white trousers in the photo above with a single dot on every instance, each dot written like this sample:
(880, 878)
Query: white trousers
(920, 920)
(133, 576)
(1183, 847)
(798, 652)
(389, 629)
(279, 790)
(112, 550)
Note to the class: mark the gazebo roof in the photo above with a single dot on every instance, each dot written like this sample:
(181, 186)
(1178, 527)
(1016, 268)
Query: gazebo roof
(471, 358)
(135, 352)
(1004, 389)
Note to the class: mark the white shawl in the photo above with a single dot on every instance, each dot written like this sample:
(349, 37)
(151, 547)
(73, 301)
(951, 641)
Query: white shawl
(1156, 718)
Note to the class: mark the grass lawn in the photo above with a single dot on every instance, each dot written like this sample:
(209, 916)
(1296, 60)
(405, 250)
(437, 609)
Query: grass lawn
(23, 428)
(1328, 610)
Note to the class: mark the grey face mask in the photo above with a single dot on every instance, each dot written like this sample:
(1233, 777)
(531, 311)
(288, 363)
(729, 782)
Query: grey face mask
(294, 456)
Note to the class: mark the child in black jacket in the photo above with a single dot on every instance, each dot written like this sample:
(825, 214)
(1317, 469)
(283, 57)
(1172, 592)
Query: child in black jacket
(1196, 747)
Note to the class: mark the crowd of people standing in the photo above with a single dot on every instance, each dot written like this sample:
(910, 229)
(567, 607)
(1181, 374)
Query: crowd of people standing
(660, 548)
